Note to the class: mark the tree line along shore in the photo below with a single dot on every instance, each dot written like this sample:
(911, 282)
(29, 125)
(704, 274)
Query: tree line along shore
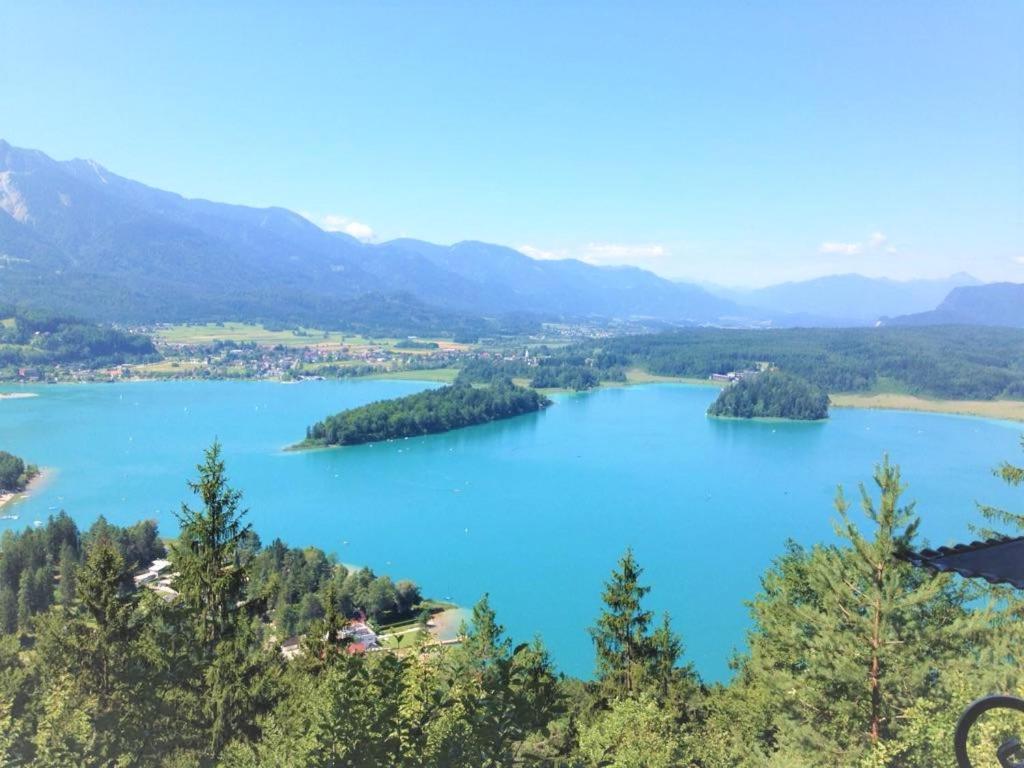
(957, 369)
(15, 476)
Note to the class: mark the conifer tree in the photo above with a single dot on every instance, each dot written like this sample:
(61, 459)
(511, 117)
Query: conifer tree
(102, 591)
(68, 567)
(621, 633)
(849, 639)
(25, 601)
(211, 553)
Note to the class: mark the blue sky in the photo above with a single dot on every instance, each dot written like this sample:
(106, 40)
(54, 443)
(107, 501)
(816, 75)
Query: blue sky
(735, 142)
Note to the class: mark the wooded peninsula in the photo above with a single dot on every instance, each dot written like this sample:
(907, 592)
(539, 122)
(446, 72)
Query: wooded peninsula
(771, 395)
(436, 410)
(15, 474)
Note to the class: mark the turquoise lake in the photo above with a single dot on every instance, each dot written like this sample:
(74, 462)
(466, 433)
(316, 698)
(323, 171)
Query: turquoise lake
(534, 510)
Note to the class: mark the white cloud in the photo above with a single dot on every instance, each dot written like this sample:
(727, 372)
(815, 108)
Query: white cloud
(875, 243)
(843, 249)
(1019, 259)
(540, 253)
(334, 222)
(622, 253)
(647, 255)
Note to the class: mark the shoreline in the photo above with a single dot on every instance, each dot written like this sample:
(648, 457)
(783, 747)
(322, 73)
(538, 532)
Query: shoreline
(766, 419)
(8, 500)
(444, 626)
(1001, 410)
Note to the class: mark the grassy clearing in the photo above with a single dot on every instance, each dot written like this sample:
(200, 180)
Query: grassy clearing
(640, 376)
(1010, 410)
(247, 332)
(444, 375)
(168, 368)
(304, 337)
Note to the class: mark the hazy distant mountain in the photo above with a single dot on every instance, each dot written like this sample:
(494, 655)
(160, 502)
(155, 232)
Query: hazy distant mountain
(856, 299)
(993, 304)
(78, 238)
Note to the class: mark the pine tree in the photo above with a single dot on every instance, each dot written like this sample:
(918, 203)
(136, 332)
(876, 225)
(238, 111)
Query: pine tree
(1014, 476)
(68, 567)
(621, 634)
(211, 553)
(848, 639)
(103, 592)
(1004, 655)
(666, 650)
(484, 638)
(25, 601)
(8, 610)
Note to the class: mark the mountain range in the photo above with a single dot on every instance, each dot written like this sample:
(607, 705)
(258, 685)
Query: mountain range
(992, 304)
(850, 299)
(79, 239)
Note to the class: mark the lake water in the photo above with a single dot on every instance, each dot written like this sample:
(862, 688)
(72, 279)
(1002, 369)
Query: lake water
(534, 510)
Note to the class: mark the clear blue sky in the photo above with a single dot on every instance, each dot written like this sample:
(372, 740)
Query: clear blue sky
(736, 142)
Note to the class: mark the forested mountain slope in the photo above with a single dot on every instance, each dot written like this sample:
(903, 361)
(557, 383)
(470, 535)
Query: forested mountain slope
(76, 237)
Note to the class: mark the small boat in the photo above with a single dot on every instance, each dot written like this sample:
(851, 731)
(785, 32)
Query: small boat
(8, 517)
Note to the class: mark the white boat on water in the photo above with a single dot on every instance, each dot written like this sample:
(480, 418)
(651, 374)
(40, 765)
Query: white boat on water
(8, 517)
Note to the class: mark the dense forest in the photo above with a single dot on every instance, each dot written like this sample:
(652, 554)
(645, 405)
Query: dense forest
(29, 339)
(771, 395)
(950, 362)
(956, 362)
(15, 474)
(436, 410)
(854, 658)
(551, 369)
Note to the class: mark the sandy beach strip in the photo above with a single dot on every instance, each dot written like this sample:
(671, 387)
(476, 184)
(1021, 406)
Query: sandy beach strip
(1009, 410)
(445, 625)
(7, 497)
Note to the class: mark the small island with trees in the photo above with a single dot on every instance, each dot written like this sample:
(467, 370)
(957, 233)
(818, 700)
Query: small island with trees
(772, 394)
(437, 410)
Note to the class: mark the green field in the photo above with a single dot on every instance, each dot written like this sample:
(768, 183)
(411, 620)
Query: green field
(444, 375)
(209, 333)
(1009, 410)
(640, 376)
(257, 334)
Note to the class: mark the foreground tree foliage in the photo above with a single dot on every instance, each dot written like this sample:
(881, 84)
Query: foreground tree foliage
(854, 659)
